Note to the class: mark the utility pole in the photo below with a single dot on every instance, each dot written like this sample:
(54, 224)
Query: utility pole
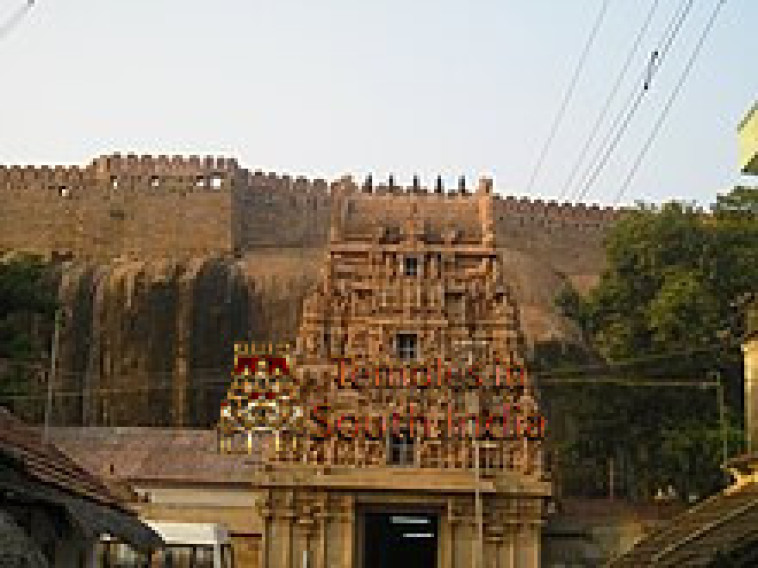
(722, 418)
(51, 375)
(478, 507)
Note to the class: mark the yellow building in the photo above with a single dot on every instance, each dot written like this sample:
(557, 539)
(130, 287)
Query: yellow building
(748, 136)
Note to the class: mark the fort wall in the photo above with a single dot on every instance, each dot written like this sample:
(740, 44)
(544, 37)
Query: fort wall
(168, 206)
(116, 206)
(279, 211)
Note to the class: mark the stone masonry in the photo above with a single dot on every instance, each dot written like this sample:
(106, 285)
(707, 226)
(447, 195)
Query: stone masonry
(163, 206)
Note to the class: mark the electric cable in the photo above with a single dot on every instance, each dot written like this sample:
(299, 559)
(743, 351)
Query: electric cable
(208, 384)
(15, 19)
(625, 116)
(42, 366)
(609, 99)
(569, 92)
(669, 103)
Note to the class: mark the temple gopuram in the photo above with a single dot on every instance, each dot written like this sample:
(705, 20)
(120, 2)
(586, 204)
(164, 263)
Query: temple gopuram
(401, 429)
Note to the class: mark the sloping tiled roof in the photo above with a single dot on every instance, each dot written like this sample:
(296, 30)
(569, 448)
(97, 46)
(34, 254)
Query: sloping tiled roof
(726, 524)
(156, 454)
(34, 470)
(47, 464)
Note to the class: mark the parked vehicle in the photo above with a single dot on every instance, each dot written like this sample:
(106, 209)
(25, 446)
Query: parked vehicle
(187, 545)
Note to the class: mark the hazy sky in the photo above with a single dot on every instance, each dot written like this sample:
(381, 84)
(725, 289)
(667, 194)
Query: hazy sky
(327, 87)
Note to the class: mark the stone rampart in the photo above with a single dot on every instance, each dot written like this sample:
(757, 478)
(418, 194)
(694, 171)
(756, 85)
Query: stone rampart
(117, 206)
(167, 206)
(279, 211)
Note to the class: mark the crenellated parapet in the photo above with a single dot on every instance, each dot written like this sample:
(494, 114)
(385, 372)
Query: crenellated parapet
(415, 188)
(169, 173)
(165, 205)
(368, 208)
(522, 214)
(503, 205)
(271, 210)
(569, 211)
(132, 164)
(42, 178)
(296, 190)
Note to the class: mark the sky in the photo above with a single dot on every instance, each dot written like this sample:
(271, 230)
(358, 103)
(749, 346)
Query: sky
(324, 88)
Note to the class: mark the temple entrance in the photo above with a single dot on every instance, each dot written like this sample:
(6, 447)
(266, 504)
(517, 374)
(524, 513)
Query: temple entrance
(395, 540)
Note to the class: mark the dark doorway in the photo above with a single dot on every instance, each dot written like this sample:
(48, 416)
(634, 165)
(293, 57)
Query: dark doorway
(400, 540)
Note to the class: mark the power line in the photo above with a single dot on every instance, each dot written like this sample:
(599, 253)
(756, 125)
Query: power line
(216, 382)
(42, 365)
(569, 92)
(670, 101)
(652, 357)
(15, 19)
(101, 391)
(226, 369)
(631, 382)
(624, 117)
(611, 96)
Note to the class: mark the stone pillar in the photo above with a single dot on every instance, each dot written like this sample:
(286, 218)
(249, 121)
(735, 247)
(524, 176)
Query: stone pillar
(493, 550)
(446, 543)
(510, 550)
(285, 525)
(266, 514)
(320, 556)
(348, 530)
(528, 545)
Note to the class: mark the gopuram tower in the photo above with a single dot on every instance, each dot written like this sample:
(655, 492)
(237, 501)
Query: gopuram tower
(413, 402)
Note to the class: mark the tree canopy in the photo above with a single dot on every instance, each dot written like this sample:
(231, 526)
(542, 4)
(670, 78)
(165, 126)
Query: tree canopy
(25, 298)
(664, 310)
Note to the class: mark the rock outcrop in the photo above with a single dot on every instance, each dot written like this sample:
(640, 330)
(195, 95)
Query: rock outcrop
(147, 342)
(151, 342)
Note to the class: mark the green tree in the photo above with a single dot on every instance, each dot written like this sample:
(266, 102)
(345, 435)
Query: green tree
(664, 309)
(25, 294)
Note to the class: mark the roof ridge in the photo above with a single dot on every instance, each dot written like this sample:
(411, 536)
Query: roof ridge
(673, 526)
(706, 528)
(50, 465)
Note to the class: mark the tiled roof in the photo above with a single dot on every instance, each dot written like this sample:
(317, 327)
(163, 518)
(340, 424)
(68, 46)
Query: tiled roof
(38, 471)
(47, 464)
(598, 508)
(719, 526)
(156, 454)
